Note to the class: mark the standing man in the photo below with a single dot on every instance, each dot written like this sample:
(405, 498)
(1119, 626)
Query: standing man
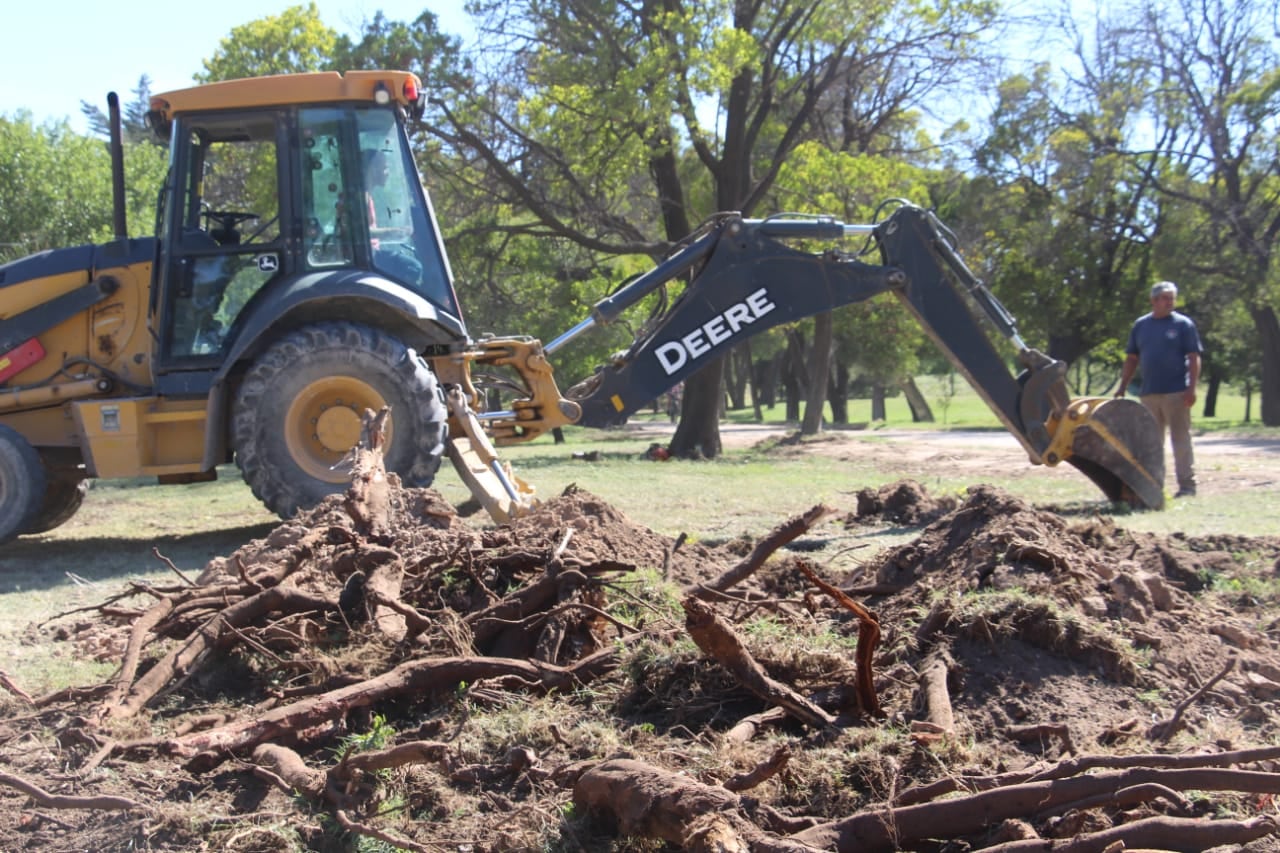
(1167, 346)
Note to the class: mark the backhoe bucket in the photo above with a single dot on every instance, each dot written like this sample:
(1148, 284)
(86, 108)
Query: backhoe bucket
(1115, 443)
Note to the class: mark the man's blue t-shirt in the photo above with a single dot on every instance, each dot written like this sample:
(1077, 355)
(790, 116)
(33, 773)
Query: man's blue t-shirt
(1162, 346)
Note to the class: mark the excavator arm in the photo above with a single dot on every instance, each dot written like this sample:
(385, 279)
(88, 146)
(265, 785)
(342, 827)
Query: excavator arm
(743, 277)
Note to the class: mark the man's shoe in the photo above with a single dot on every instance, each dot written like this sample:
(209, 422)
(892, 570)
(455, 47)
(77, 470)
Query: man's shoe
(1186, 493)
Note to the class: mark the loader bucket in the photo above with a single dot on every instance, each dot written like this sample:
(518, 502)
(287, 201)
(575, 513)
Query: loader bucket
(1115, 443)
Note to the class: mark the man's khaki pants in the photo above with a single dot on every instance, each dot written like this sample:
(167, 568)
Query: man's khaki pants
(1174, 416)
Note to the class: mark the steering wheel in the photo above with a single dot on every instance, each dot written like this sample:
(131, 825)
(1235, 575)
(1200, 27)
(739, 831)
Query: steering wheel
(228, 219)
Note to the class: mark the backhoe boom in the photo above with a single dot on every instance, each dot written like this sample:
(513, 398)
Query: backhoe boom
(743, 279)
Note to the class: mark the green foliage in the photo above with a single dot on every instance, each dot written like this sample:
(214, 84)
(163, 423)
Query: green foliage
(295, 40)
(418, 47)
(1060, 215)
(878, 339)
(55, 187)
(379, 736)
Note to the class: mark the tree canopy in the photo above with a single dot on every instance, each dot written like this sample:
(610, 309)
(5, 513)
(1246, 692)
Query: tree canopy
(572, 142)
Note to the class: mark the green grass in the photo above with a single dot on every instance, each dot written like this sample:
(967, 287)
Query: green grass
(957, 406)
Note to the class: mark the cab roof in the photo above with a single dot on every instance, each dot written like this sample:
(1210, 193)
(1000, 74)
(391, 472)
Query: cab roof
(402, 87)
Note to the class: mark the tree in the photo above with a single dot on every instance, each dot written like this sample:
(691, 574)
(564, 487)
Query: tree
(1218, 104)
(133, 116)
(294, 41)
(876, 340)
(619, 126)
(55, 187)
(419, 47)
(1068, 211)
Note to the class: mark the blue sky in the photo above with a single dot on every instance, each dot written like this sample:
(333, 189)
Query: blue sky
(54, 57)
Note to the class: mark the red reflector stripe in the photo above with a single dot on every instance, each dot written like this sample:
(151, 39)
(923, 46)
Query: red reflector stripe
(20, 358)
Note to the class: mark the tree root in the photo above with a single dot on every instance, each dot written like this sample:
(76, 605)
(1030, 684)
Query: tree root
(888, 829)
(415, 677)
(714, 636)
(59, 801)
(1157, 833)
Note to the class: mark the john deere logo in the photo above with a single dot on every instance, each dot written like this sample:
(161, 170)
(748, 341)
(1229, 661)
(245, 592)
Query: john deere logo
(673, 355)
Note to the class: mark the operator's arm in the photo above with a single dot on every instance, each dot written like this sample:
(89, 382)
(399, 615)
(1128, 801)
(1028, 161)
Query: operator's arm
(1193, 376)
(1130, 368)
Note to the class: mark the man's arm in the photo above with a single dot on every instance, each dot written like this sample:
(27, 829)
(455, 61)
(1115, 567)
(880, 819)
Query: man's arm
(1130, 368)
(1193, 376)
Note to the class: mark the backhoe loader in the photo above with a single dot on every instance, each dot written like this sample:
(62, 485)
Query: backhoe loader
(297, 278)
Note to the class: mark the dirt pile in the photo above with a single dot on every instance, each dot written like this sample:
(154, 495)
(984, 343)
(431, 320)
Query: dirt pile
(1082, 622)
(381, 672)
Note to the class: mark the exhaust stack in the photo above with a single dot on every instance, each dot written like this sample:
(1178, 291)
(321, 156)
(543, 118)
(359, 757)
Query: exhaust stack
(117, 168)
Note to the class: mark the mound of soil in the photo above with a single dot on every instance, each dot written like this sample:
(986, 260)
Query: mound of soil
(1081, 623)
(378, 669)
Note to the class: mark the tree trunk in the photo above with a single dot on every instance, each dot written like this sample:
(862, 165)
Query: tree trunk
(819, 367)
(755, 387)
(920, 411)
(698, 433)
(766, 375)
(793, 376)
(1211, 395)
(738, 372)
(838, 393)
(1264, 318)
(877, 402)
(1067, 346)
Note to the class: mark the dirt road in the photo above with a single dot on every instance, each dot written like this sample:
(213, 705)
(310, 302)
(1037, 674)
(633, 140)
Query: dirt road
(1225, 463)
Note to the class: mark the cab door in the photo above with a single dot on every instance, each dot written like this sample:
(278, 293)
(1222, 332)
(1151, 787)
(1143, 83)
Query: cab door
(223, 230)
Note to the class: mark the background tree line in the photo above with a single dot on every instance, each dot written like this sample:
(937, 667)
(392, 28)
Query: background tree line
(572, 142)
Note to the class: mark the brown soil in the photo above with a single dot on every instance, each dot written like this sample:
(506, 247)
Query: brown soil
(1051, 639)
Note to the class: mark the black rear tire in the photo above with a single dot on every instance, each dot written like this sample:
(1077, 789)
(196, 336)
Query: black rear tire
(22, 484)
(298, 410)
(63, 494)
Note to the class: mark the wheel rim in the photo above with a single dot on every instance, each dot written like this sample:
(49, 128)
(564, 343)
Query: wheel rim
(323, 423)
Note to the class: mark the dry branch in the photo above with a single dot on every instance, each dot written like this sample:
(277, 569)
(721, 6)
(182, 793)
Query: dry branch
(138, 636)
(1165, 729)
(779, 536)
(747, 727)
(1081, 764)
(368, 500)
(761, 773)
(718, 640)
(12, 686)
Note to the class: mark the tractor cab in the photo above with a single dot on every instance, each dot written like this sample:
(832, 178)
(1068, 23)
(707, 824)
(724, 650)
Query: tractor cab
(273, 191)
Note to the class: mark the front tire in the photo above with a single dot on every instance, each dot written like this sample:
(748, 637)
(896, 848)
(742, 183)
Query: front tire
(298, 412)
(22, 483)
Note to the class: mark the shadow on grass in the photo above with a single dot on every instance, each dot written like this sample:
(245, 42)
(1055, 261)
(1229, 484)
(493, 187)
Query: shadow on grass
(43, 563)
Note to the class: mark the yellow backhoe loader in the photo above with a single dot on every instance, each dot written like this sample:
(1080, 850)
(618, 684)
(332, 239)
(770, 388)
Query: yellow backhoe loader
(298, 278)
